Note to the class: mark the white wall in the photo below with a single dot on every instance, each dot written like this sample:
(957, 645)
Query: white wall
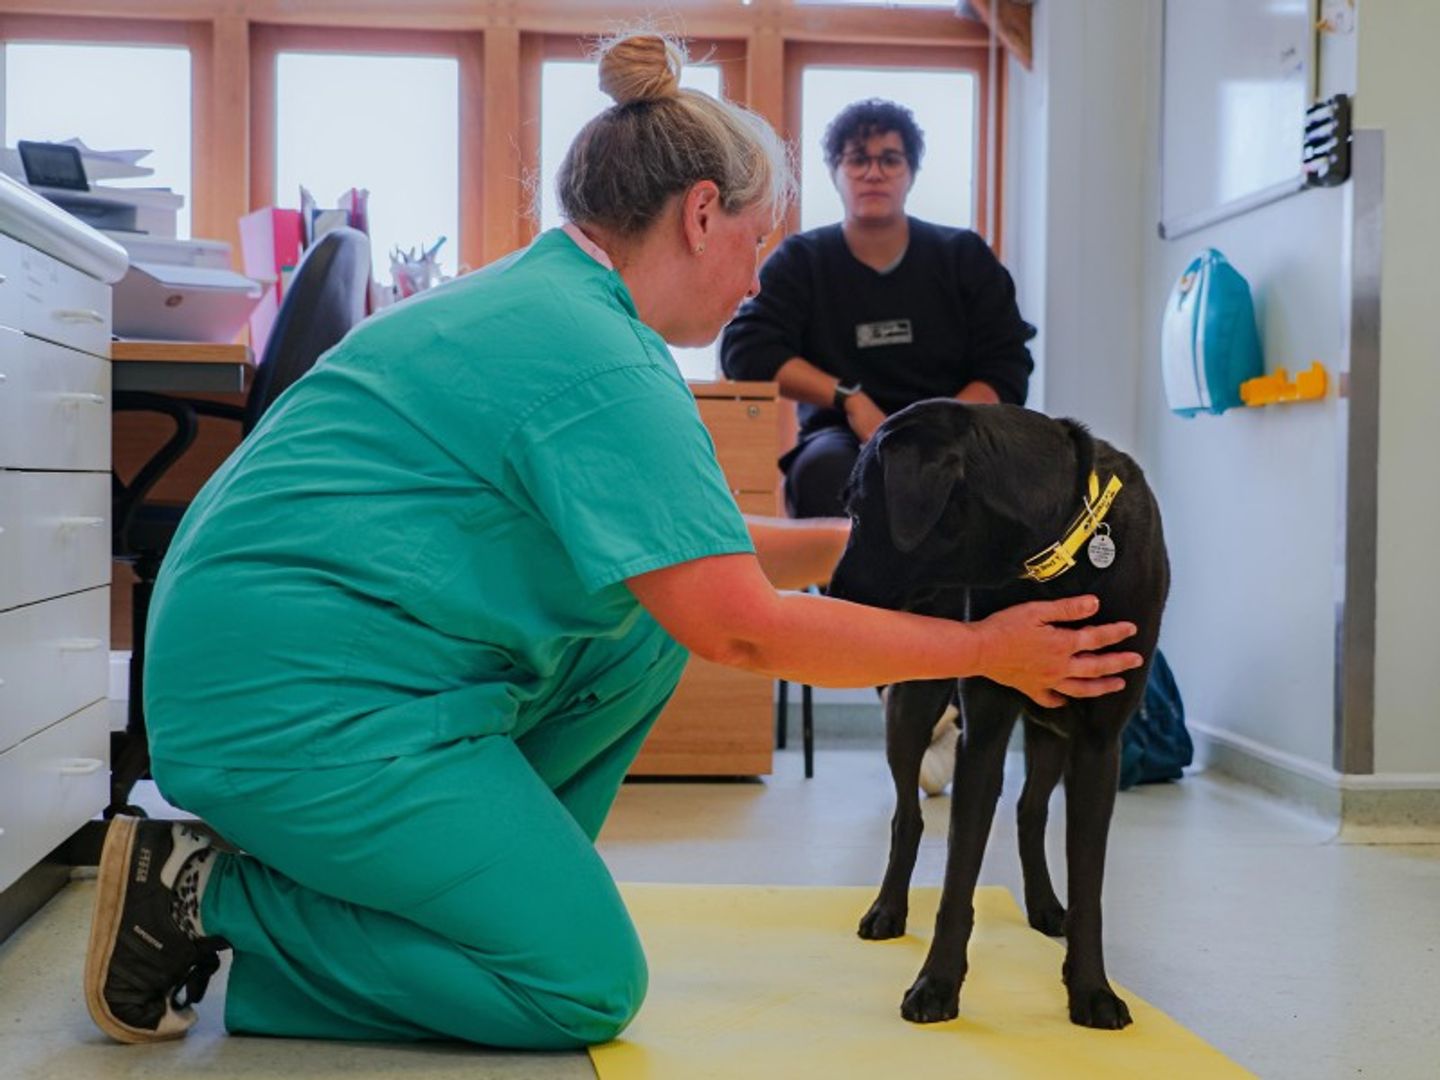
(1089, 86)
(1250, 498)
(1397, 84)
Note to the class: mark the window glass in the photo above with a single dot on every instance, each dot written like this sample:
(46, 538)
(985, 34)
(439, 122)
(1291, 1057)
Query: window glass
(145, 103)
(569, 96)
(389, 124)
(944, 104)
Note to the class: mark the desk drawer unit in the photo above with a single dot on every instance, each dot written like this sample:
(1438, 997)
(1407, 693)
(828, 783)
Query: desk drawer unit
(48, 299)
(50, 785)
(54, 661)
(719, 721)
(56, 536)
(54, 406)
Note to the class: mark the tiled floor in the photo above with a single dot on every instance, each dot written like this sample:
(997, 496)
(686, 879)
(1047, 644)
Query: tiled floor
(1298, 956)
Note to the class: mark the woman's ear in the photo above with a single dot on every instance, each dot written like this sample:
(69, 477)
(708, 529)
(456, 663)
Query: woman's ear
(697, 213)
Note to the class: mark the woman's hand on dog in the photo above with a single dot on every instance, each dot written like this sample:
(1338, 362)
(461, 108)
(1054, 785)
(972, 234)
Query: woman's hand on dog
(1023, 647)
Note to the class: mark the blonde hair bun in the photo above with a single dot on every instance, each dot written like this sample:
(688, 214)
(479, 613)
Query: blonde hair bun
(641, 67)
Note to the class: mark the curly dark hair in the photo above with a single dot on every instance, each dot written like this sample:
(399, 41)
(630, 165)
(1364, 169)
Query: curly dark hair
(873, 116)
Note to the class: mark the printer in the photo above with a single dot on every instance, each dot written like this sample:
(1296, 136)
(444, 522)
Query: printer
(175, 289)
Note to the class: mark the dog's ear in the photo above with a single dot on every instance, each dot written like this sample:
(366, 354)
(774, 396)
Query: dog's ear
(918, 482)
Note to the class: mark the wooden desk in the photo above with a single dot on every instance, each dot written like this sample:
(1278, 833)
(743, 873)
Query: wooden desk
(176, 367)
(720, 721)
(180, 367)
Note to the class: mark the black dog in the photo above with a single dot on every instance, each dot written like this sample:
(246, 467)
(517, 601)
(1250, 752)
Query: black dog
(958, 511)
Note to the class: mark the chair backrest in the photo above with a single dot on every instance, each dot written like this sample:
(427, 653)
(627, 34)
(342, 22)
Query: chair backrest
(326, 298)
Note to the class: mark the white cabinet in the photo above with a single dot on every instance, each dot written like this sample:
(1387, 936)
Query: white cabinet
(54, 528)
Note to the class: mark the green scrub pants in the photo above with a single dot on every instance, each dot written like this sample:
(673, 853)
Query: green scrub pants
(455, 893)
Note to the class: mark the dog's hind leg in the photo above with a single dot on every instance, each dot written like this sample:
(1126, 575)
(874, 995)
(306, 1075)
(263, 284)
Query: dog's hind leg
(911, 710)
(1091, 780)
(989, 715)
(1045, 752)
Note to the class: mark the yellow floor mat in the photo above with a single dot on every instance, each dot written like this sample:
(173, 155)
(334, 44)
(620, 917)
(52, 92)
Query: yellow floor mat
(758, 982)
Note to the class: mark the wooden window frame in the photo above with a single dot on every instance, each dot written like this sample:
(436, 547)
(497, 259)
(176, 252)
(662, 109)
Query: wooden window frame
(500, 45)
(268, 41)
(963, 58)
(196, 37)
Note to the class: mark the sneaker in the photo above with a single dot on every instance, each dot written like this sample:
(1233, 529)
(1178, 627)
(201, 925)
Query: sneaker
(143, 969)
(937, 768)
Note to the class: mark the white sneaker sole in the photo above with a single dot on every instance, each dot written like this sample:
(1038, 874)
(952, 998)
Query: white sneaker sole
(110, 887)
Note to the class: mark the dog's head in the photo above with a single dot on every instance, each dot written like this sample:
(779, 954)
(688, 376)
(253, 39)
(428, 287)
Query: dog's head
(947, 495)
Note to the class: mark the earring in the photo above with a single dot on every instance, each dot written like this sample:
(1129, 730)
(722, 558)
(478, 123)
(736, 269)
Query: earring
(699, 249)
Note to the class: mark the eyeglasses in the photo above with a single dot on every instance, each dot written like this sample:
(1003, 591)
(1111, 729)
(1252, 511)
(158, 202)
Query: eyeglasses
(889, 163)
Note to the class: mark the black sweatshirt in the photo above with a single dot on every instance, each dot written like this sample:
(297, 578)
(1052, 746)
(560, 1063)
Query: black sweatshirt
(941, 319)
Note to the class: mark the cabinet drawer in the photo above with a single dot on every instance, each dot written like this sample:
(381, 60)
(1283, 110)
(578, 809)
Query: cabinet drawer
(42, 296)
(746, 432)
(54, 660)
(56, 534)
(50, 785)
(54, 406)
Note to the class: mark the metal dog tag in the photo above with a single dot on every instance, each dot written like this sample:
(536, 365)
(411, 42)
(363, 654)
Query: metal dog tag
(1102, 548)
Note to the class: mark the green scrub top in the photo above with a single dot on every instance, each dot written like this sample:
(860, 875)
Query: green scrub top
(427, 537)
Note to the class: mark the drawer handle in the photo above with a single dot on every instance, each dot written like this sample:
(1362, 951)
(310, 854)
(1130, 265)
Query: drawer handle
(66, 524)
(77, 398)
(752, 411)
(79, 315)
(81, 644)
(85, 766)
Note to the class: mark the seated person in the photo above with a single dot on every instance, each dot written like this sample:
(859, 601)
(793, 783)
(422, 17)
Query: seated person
(857, 320)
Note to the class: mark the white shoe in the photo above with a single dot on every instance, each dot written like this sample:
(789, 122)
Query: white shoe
(937, 768)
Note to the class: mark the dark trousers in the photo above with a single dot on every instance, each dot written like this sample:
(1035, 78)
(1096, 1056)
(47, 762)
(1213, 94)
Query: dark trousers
(816, 472)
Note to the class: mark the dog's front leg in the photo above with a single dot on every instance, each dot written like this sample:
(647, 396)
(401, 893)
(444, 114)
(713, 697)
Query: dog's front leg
(979, 771)
(1091, 780)
(911, 710)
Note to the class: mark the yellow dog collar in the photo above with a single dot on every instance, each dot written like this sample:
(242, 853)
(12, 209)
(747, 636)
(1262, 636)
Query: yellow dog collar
(1057, 558)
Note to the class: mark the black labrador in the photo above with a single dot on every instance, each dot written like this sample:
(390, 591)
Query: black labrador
(958, 511)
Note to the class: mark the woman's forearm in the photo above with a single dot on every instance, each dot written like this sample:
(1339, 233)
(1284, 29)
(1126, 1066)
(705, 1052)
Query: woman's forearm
(827, 642)
(796, 553)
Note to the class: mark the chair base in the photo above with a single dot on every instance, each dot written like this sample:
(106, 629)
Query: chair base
(807, 722)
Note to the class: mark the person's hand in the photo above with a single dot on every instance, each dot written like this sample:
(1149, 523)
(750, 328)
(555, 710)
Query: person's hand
(1022, 647)
(863, 415)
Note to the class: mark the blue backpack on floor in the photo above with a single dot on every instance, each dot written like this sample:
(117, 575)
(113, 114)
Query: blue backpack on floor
(1155, 745)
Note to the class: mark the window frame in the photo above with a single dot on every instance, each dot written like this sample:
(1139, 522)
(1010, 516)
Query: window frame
(196, 37)
(961, 58)
(269, 40)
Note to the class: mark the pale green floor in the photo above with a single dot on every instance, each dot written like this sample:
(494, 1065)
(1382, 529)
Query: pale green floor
(1298, 956)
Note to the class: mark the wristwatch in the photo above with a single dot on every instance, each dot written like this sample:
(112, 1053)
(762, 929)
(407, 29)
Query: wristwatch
(844, 393)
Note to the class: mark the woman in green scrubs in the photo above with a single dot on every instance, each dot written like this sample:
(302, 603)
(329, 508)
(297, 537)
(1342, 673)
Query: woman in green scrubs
(411, 636)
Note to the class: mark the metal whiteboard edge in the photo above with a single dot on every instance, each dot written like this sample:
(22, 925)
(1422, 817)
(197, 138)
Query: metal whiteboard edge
(1183, 226)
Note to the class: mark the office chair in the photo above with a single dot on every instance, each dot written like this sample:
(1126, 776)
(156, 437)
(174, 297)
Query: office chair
(326, 298)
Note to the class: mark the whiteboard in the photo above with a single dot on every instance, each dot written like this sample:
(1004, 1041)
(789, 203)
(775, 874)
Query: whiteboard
(1237, 76)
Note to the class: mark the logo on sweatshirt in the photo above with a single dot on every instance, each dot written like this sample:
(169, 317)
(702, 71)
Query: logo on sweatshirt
(875, 334)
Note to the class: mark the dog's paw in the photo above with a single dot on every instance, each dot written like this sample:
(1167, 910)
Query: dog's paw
(1048, 918)
(1100, 1008)
(931, 1000)
(882, 922)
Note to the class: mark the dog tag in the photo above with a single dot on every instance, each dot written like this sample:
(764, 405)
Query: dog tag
(1102, 548)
